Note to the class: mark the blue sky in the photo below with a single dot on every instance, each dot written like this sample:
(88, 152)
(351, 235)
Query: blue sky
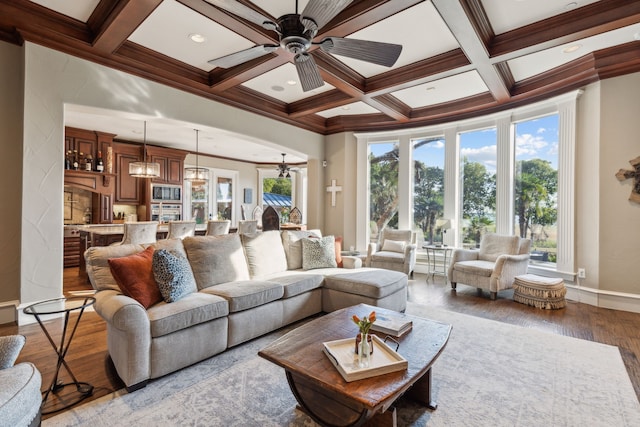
(536, 138)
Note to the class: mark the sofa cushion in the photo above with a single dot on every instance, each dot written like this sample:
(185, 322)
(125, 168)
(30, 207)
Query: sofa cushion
(134, 275)
(296, 284)
(20, 395)
(318, 253)
(265, 253)
(246, 294)
(195, 308)
(387, 256)
(216, 259)
(394, 246)
(476, 267)
(97, 262)
(173, 275)
(370, 282)
(291, 242)
(494, 245)
(174, 246)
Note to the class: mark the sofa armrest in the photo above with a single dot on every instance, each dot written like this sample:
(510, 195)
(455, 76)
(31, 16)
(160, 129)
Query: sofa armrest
(121, 311)
(371, 249)
(507, 267)
(351, 262)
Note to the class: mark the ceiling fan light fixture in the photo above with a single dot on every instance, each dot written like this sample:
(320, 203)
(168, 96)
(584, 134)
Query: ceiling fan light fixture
(284, 169)
(144, 169)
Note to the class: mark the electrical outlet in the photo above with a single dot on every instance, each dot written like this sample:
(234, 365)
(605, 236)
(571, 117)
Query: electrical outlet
(582, 274)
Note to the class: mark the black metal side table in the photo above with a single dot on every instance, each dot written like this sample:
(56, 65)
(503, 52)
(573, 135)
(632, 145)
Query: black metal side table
(62, 306)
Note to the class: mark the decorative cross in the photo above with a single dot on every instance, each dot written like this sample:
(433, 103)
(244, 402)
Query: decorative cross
(624, 174)
(333, 189)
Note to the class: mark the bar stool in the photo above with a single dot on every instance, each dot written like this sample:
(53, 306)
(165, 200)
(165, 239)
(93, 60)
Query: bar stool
(139, 232)
(181, 229)
(249, 226)
(215, 227)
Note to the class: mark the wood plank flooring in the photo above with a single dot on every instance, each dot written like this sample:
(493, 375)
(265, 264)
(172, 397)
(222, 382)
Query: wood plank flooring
(89, 361)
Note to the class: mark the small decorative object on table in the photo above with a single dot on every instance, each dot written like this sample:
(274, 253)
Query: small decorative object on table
(364, 347)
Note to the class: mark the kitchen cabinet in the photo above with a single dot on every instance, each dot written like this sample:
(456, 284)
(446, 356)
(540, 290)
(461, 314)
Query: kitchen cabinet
(102, 208)
(87, 142)
(71, 251)
(171, 164)
(129, 189)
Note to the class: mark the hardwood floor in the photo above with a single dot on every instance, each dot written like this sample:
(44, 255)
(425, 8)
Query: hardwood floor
(89, 361)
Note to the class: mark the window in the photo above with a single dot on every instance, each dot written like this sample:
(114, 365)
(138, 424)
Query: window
(428, 188)
(478, 158)
(212, 199)
(536, 186)
(383, 187)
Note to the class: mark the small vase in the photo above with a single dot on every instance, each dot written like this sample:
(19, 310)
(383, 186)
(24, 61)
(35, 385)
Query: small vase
(364, 348)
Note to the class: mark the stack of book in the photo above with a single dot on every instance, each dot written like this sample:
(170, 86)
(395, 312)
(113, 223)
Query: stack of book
(396, 325)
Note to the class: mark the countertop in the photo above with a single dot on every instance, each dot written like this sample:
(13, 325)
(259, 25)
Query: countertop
(110, 229)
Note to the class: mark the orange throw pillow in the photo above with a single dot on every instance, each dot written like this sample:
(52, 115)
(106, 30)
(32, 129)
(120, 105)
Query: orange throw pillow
(339, 251)
(134, 275)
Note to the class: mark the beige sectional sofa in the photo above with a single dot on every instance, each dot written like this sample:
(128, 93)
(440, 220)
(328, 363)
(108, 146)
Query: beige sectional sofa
(247, 286)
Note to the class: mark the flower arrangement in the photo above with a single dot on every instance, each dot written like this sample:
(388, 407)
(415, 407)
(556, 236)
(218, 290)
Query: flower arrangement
(365, 323)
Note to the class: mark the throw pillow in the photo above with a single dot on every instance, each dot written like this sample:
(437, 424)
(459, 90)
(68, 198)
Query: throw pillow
(134, 276)
(10, 347)
(293, 246)
(173, 275)
(339, 251)
(318, 253)
(393, 246)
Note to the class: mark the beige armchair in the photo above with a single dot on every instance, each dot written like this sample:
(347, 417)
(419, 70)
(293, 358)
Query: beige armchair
(396, 250)
(494, 266)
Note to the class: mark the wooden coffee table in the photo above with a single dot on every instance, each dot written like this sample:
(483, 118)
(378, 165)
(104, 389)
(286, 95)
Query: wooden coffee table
(327, 398)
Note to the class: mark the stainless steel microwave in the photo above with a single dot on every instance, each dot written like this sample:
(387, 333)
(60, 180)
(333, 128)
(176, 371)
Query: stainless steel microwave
(166, 193)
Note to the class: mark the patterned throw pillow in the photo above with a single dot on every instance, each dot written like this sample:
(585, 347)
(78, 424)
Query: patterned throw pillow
(173, 274)
(318, 253)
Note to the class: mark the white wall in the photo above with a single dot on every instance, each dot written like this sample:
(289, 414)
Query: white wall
(52, 79)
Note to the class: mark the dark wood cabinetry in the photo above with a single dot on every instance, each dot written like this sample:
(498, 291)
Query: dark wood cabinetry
(71, 251)
(128, 188)
(171, 164)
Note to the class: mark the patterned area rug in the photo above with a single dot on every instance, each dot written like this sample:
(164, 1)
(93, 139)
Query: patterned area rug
(490, 374)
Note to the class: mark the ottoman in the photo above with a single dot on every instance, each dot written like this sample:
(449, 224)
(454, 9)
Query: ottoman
(540, 292)
(373, 286)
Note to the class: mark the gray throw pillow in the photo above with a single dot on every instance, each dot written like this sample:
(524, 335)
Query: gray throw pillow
(318, 253)
(173, 275)
(10, 347)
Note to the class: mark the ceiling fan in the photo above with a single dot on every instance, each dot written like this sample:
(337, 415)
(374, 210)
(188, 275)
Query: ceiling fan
(284, 169)
(296, 32)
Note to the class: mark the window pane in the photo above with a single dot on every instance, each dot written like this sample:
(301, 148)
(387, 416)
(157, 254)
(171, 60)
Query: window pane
(428, 188)
(478, 184)
(276, 192)
(536, 186)
(224, 197)
(383, 187)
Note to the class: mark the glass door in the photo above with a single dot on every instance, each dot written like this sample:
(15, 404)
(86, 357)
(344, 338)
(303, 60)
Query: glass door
(224, 197)
(199, 201)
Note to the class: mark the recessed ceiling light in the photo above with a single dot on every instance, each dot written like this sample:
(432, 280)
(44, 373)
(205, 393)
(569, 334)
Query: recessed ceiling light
(197, 38)
(571, 5)
(292, 82)
(277, 88)
(346, 107)
(571, 48)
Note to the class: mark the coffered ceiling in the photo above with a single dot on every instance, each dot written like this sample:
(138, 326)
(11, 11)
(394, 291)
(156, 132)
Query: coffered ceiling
(460, 58)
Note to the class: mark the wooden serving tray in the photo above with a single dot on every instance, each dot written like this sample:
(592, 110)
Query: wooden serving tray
(342, 355)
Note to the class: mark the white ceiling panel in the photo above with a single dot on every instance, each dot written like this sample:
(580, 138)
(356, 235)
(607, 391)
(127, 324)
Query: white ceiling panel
(178, 23)
(80, 10)
(443, 90)
(282, 83)
(277, 8)
(506, 15)
(420, 30)
(349, 109)
(536, 63)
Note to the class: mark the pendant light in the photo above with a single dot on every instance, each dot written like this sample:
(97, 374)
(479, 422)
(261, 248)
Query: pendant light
(197, 175)
(144, 169)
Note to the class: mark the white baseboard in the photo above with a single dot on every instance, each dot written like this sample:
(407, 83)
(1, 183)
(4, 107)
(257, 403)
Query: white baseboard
(605, 299)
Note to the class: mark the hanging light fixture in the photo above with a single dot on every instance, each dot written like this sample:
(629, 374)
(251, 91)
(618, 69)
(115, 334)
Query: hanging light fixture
(284, 168)
(144, 169)
(197, 175)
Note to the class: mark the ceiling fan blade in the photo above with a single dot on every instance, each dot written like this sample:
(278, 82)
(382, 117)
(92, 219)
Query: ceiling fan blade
(308, 72)
(323, 11)
(376, 52)
(245, 12)
(238, 58)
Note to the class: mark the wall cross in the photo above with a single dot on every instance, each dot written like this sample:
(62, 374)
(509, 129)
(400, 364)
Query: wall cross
(333, 189)
(624, 174)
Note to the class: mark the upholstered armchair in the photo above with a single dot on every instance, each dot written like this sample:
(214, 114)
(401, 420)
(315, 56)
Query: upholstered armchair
(216, 227)
(20, 396)
(395, 250)
(181, 229)
(139, 232)
(494, 266)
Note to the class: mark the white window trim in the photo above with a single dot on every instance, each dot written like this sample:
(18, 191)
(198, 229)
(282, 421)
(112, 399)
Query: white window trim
(564, 106)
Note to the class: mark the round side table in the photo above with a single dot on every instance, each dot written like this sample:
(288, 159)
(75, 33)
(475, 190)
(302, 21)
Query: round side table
(431, 259)
(62, 306)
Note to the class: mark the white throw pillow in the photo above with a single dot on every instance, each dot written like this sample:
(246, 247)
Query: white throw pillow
(393, 246)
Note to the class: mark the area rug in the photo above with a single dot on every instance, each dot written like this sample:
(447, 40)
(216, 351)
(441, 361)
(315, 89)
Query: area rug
(490, 374)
